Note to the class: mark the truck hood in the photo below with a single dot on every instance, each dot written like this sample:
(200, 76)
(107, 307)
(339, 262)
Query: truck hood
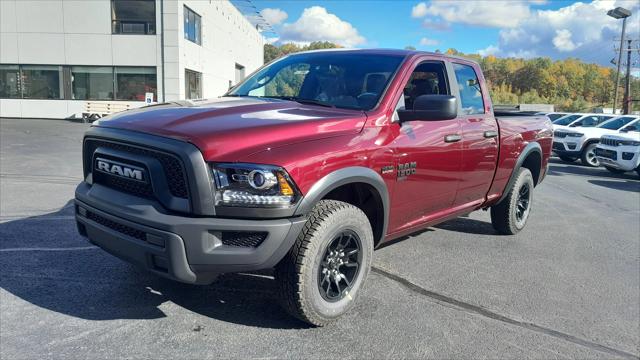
(230, 129)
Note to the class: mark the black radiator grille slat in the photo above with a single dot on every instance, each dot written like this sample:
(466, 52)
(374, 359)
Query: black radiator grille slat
(175, 174)
(243, 238)
(123, 229)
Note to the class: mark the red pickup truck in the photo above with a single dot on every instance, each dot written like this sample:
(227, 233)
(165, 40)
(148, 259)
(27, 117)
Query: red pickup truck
(307, 166)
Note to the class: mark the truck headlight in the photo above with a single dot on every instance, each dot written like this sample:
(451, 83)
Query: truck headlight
(253, 185)
(628, 143)
(575, 134)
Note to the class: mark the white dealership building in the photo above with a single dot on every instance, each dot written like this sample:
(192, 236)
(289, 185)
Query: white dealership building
(58, 56)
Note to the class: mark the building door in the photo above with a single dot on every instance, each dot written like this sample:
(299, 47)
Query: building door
(193, 84)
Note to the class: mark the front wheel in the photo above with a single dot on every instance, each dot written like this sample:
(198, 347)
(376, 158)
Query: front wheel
(510, 215)
(323, 273)
(589, 156)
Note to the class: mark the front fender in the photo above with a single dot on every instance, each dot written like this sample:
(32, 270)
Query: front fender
(349, 175)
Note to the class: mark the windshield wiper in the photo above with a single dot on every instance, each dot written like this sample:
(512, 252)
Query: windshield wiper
(302, 100)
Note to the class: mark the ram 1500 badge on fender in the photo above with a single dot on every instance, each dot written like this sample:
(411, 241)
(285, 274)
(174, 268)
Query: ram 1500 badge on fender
(306, 167)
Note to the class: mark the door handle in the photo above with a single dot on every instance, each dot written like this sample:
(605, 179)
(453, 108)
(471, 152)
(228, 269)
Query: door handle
(490, 134)
(452, 138)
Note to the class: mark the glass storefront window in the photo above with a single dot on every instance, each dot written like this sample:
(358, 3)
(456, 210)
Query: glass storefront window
(92, 82)
(10, 82)
(133, 82)
(42, 82)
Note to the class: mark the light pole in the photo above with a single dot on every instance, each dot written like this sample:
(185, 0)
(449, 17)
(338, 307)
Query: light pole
(619, 13)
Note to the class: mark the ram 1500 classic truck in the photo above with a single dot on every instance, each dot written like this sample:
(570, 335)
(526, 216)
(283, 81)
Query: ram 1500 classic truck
(306, 166)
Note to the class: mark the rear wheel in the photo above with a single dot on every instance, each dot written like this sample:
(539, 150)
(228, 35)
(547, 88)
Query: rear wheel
(324, 271)
(510, 215)
(567, 158)
(589, 155)
(614, 170)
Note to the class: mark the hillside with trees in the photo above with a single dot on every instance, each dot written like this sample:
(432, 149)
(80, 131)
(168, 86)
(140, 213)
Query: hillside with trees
(570, 84)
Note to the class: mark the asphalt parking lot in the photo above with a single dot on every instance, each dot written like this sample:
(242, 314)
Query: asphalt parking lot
(568, 286)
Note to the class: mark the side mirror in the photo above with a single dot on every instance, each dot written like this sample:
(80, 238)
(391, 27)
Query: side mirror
(431, 108)
(625, 129)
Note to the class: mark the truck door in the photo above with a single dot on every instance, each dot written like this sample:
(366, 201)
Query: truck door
(427, 153)
(480, 136)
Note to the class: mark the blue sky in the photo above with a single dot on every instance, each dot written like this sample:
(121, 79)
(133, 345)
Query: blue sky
(520, 28)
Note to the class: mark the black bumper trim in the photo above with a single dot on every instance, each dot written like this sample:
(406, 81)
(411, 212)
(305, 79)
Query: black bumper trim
(193, 251)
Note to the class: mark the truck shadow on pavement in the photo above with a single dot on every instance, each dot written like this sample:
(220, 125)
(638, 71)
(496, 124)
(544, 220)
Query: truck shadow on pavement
(44, 261)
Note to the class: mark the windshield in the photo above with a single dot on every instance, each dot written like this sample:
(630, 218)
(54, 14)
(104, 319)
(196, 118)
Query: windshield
(617, 123)
(566, 120)
(632, 127)
(347, 80)
(554, 117)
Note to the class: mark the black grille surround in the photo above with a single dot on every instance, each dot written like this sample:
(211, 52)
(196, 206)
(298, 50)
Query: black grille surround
(560, 134)
(609, 142)
(173, 168)
(123, 229)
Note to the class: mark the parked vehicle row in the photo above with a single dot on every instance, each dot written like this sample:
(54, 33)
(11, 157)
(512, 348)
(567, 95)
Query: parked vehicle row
(599, 140)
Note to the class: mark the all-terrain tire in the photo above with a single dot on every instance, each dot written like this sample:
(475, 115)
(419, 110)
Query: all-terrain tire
(588, 156)
(567, 158)
(298, 273)
(504, 215)
(614, 170)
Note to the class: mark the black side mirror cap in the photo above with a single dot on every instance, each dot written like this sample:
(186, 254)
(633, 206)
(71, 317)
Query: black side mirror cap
(431, 108)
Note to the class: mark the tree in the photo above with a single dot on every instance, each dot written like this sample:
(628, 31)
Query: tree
(409, 47)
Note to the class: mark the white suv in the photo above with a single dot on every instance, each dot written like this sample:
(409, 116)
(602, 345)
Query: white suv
(620, 153)
(572, 143)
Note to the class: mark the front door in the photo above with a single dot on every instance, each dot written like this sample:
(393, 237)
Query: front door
(427, 154)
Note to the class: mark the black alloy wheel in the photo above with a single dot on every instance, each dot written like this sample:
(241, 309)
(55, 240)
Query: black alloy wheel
(340, 266)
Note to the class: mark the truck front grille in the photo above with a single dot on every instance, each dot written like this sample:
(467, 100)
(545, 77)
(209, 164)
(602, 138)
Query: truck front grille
(173, 169)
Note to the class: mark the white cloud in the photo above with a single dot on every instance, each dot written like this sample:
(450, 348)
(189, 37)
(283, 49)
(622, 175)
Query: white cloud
(316, 24)
(434, 24)
(490, 13)
(274, 16)
(562, 41)
(489, 50)
(581, 30)
(428, 42)
(419, 10)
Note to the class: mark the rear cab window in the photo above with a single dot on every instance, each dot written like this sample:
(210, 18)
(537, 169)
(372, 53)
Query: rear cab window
(471, 98)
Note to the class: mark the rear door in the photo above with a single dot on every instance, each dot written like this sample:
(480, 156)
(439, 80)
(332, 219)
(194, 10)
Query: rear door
(480, 135)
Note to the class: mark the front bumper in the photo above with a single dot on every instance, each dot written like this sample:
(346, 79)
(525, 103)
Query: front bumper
(617, 158)
(569, 148)
(183, 248)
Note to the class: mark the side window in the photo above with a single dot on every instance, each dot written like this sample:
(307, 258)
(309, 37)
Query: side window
(470, 92)
(427, 79)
